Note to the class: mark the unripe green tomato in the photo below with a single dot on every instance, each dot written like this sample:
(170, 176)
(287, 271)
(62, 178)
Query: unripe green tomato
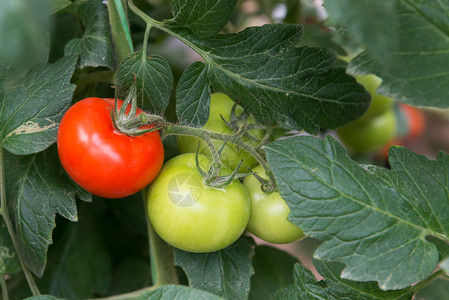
(231, 156)
(269, 212)
(191, 216)
(369, 136)
(379, 103)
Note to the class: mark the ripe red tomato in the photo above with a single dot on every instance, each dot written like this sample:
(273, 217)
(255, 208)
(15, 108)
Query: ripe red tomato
(102, 160)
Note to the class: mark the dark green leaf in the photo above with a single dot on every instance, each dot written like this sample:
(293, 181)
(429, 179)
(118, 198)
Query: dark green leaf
(176, 292)
(305, 287)
(319, 36)
(37, 188)
(31, 109)
(95, 47)
(193, 96)
(333, 287)
(370, 23)
(276, 81)
(9, 262)
(342, 288)
(132, 274)
(225, 273)
(436, 290)
(273, 270)
(154, 80)
(204, 18)
(375, 225)
(417, 71)
(79, 265)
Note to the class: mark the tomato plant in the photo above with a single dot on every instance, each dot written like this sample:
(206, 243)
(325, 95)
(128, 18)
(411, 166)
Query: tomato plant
(269, 212)
(102, 160)
(375, 229)
(220, 113)
(191, 216)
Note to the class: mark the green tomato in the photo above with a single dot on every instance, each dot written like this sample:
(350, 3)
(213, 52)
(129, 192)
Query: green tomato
(379, 103)
(231, 155)
(369, 136)
(191, 216)
(269, 212)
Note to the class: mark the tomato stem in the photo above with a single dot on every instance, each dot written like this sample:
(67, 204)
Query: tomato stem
(5, 295)
(4, 212)
(207, 136)
(161, 255)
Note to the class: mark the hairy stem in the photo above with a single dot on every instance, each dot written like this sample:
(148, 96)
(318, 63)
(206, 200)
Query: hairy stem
(234, 139)
(161, 255)
(4, 212)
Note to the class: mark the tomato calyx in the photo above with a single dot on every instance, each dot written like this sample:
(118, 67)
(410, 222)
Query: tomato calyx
(127, 121)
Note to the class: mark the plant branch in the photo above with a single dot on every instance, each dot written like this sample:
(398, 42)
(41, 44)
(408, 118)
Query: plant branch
(173, 129)
(5, 295)
(161, 255)
(119, 29)
(4, 212)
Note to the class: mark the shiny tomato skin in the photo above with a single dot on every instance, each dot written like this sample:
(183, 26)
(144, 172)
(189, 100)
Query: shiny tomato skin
(102, 160)
(191, 216)
(269, 212)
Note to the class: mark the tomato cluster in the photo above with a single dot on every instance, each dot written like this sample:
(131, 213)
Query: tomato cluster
(183, 210)
(194, 217)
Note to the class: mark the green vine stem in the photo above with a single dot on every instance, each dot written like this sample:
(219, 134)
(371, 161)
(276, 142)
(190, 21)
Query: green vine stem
(161, 255)
(422, 284)
(5, 295)
(4, 212)
(205, 135)
(119, 29)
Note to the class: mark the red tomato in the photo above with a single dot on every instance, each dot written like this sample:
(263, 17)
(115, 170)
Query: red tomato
(102, 160)
(416, 121)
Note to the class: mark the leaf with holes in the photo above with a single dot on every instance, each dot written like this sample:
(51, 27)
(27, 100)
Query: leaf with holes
(375, 223)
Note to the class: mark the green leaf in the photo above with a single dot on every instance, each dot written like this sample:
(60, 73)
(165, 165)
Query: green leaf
(273, 270)
(9, 262)
(204, 18)
(276, 81)
(370, 23)
(319, 36)
(176, 292)
(225, 273)
(193, 96)
(37, 188)
(417, 71)
(95, 47)
(333, 287)
(57, 5)
(31, 109)
(154, 80)
(376, 225)
(80, 266)
(305, 287)
(438, 289)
